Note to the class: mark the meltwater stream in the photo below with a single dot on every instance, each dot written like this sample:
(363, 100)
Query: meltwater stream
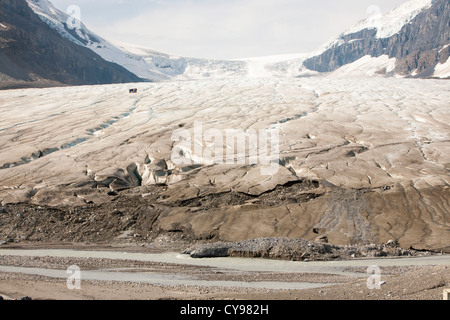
(232, 264)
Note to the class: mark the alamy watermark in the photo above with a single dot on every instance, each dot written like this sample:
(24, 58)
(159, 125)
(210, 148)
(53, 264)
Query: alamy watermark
(374, 281)
(74, 19)
(74, 280)
(375, 15)
(230, 146)
(374, 11)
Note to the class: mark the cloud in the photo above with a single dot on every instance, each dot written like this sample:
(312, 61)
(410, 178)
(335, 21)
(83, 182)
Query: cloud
(220, 28)
(224, 28)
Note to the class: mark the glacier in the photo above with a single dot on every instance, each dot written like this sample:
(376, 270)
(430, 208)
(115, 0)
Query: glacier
(65, 132)
(373, 151)
(376, 153)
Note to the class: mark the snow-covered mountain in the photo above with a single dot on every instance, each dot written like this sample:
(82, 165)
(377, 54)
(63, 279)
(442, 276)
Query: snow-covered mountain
(411, 40)
(145, 63)
(33, 55)
(154, 65)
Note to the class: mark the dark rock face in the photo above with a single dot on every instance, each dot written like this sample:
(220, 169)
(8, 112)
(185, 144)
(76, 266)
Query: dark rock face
(356, 46)
(30, 50)
(416, 46)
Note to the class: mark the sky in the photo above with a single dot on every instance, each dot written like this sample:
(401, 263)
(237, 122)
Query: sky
(225, 29)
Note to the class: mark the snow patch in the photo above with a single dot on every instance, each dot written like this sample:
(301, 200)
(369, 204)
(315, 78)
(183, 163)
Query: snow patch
(367, 66)
(442, 70)
(444, 47)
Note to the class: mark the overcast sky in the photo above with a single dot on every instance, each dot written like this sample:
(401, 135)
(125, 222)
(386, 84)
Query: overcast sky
(224, 29)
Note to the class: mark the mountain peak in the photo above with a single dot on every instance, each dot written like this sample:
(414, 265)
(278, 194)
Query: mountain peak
(58, 20)
(414, 37)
